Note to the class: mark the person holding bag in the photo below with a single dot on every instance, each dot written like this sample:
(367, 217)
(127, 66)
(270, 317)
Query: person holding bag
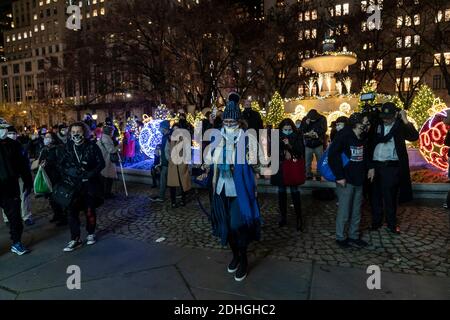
(109, 152)
(350, 178)
(292, 170)
(81, 166)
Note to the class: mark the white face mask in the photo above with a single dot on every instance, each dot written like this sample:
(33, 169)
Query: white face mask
(231, 130)
(12, 136)
(3, 133)
(340, 126)
(77, 138)
(48, 141)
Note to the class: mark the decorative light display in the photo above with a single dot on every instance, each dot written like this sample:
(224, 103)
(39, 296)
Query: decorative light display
(195, 120)
(150, 137)
(276, 110)
(299, 114)
(162, 113)
(421, 107)
(431, 141)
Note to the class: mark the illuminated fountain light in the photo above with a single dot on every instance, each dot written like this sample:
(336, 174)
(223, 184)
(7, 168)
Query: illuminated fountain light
(348, 84)
(339, 87)
(320, 82)
(328, 81)
(310, 85)
(150, 137)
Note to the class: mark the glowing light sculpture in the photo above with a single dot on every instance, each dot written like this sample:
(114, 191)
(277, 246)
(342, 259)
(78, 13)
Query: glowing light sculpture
(150, 137)
(431, 141)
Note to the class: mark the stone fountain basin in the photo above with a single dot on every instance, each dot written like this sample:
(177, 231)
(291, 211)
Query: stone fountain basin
(329, 63)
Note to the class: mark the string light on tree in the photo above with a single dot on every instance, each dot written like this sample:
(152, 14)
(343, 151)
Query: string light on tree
(423, 101)
(276, 110)
(162, 113)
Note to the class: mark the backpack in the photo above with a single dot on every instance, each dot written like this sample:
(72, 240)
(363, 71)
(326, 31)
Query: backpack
(324, 167)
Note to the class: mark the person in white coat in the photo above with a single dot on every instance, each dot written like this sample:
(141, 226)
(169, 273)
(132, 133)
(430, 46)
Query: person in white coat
(107, 147)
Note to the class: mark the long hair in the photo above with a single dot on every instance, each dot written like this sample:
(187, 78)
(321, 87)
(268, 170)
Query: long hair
(287, 122)
(86, 129)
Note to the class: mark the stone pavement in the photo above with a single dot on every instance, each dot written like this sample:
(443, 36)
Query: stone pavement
(128, 263)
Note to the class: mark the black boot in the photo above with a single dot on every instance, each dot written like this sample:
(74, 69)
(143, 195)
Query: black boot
(282, 203)
(241, 272)
(298, 209)
(233, 266)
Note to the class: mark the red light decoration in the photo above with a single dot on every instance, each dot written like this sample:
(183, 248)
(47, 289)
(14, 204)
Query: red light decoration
(431, 141)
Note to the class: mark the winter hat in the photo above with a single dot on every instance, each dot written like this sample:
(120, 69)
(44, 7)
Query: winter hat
(235, 97)
(355, 118)
(232, 111)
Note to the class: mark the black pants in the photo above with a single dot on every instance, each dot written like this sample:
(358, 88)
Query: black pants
(384, 194)
(155, 177)
(296, 199)
(74, 218)
(173, 195)
(58, 212)
(11, 206)
(107, 186)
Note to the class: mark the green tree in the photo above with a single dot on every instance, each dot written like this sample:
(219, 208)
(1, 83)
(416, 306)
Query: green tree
(276, 110)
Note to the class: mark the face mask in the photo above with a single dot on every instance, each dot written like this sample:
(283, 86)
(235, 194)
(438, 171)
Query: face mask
(287, 132)
(12, 136)
(63, 132)
(3, 133)
(340, 126)
(77, 138)
(47, 141)
(231, 129)
(298, 125)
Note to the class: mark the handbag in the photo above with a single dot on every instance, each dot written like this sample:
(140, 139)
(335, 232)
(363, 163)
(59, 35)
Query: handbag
(324, 167)
(293, 172)
(42, 184)
(64, 193)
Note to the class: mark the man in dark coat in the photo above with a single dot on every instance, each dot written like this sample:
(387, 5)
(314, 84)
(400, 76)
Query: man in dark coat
(314, 128)
(389, 165)
(252, 117)
(13, 165)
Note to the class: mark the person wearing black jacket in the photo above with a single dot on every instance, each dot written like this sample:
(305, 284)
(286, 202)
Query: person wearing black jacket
(252, 117)
(13, 165)
(82, 163)
(314, 128)
(291, 146)
(349, 178)
(389, 165)
(51, 155)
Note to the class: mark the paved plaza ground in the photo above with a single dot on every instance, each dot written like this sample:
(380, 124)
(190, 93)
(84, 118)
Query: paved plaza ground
(150, 251)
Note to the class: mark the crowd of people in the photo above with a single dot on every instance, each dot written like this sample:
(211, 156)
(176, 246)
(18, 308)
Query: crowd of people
(366, 153)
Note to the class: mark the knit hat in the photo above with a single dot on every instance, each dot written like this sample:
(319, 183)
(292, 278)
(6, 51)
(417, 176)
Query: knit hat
(235, 97)
(232, 111)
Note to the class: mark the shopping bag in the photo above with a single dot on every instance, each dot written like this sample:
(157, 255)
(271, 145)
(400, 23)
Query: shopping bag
(293, 172)
(42, 184)
(324, 167)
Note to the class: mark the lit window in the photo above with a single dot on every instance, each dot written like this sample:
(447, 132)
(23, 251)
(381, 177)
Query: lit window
(417, 40)
(300, 16)
(42, 26)
(94, 13)
(13, 37)
(345, 9)
(345, 29)
(447, 15)
(408, 21)
(363, 65)
(364, 6)
(338, 10)
(300, 35)
(36, 28)
(399, 22)
(407, 84)
(47, 1)
(8, 39)
(102, 11)
(399, 42)
(88, 15)
(41, 3)
(380, 65)
(314, 15)
(416, 81)
(35, 16)
(19, 36)
(408, 41)
(94, 2)
(307, 34)
(398, 63)
(397, 82)
(447, 58)
(408, 62)
(307, 16)
(416, 19)
(439, 16)
(314, 33)
(25, 35)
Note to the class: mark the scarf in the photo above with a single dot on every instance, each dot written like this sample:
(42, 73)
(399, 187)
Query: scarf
(381, 138)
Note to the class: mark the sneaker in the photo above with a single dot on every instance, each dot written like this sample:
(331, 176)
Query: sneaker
(241, 272)
(233, 266)
(358, 242)
(91, 239)
(157, 199)
(73, 245)
(343, 243)
(19, 249)
(29, 222)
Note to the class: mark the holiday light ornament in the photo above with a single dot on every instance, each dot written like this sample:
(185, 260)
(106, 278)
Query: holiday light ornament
(150, 137)
(431, 141)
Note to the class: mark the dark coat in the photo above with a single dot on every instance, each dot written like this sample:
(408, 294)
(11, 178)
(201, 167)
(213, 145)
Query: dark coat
(320, 127)
(52, 155)
(89, 169)
(296, 148)
(404, 132)
(14, 164)
(253, 119)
